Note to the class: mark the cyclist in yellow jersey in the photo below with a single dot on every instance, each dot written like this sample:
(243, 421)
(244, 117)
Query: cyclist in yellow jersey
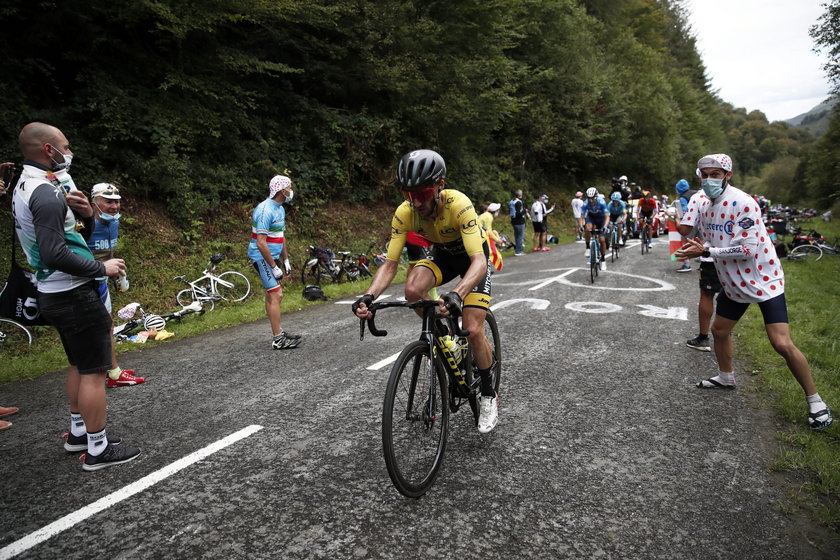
(447, 218)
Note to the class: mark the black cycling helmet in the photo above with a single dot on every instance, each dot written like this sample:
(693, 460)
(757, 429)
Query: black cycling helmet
(420, 169)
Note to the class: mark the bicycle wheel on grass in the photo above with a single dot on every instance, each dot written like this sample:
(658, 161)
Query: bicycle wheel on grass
(415, 420)
(186, 297)
(238, 289)
(15, 339)
(806, 253)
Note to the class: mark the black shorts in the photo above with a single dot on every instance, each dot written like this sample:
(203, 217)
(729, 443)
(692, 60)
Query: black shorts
(645, 214)
(709, 281)
(446, 266)
(540, 227)
(83, 324)
(416, 252)
(773, 310)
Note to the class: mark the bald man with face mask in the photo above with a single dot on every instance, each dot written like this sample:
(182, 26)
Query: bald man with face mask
(50, 213)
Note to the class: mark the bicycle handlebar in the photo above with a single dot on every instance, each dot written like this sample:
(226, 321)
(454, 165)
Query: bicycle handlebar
(421, 304)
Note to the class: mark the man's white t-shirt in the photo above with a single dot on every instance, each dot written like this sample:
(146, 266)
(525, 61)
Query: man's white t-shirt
(577, 205)
(538, 211)
(744, 257)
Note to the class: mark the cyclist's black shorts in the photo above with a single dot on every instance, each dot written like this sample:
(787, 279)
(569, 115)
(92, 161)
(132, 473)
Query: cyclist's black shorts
(709, 281)
(446, 266)
(415, 252)
(540, 227)
(645, 214)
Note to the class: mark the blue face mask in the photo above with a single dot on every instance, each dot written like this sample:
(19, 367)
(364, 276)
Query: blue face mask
(110, 217)
(712, 187)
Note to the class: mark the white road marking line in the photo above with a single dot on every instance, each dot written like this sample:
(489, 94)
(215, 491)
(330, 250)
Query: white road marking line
(555, 279)
(113, 498)
(382, 363)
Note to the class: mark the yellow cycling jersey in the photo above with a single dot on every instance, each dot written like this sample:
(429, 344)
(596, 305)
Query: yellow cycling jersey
(456, 230)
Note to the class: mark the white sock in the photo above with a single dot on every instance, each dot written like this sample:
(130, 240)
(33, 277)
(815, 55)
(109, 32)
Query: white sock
(77, 425)
(97, 442)
(727, 378)
(815, 403)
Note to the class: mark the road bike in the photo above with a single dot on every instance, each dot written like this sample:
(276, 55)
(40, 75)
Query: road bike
(210, 287)
(594, 254)
(645, 235)
(321, 266)
(14, 338)
(615, 240)
(432, 377)
(129, 312)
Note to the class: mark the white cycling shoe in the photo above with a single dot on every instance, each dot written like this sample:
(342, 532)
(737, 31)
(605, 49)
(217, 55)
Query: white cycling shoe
(488, 415)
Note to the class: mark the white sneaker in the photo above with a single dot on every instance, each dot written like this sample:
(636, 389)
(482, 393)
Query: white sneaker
(488, 416)
(586, 254)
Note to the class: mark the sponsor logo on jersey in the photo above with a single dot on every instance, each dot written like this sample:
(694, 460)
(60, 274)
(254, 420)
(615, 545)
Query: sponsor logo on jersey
(746, 223)
(725, 228)
(468, 225)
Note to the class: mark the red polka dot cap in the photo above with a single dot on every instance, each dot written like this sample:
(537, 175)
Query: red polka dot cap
(720, 161)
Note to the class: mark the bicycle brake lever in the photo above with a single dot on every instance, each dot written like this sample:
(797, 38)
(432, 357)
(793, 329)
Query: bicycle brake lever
(361, 329)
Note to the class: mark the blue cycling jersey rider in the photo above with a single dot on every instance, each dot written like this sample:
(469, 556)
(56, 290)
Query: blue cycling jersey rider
(267, 248)
(618, 213)
(596, 216)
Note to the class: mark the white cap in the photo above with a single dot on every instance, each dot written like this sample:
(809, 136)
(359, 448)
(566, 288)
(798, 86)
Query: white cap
(105, 190)
(277, 184)
(493, 206)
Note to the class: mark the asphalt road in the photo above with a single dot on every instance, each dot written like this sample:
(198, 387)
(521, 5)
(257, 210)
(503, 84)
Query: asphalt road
(604, 448)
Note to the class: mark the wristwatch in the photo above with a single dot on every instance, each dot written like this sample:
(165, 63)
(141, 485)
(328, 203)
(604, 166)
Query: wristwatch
(706, 254)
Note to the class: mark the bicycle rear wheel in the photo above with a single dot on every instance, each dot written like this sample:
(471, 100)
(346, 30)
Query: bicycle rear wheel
(415, 420)
(15, 339)
(806, 253)
(239, 287)
(491, 331)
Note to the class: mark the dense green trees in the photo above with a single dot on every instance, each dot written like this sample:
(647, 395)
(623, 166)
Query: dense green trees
(198, 103)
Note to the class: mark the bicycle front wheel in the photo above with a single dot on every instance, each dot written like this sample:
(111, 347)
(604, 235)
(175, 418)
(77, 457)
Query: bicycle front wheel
(593, 260)
(238, 289)
(15, 339)
(186, 297)
(415, 421)
(806, 253)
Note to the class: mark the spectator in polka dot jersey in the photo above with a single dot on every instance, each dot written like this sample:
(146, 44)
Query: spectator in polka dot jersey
(750, 272)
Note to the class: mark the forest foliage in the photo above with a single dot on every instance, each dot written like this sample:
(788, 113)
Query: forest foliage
(198, 104)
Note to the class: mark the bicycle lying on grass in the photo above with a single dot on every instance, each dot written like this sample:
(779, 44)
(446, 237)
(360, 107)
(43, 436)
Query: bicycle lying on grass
(149, 321)
(14, 338)
(210, 287)
(432, 377)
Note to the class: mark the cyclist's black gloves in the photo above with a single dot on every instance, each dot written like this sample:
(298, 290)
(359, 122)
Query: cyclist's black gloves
(367, 299)
(453, 303)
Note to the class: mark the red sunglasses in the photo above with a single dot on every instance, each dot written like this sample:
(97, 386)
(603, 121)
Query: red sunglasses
(421, 196)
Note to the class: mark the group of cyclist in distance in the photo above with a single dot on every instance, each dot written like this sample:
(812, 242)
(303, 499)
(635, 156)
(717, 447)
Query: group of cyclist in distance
(596, 214)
